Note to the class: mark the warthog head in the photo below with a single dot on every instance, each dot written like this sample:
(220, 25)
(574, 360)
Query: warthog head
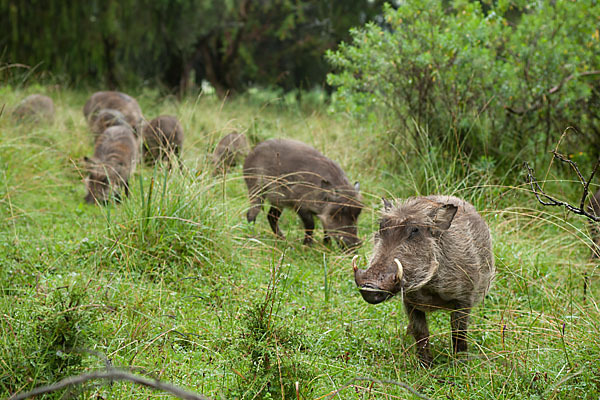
(406, 252)
(340, 216)
(102, 182)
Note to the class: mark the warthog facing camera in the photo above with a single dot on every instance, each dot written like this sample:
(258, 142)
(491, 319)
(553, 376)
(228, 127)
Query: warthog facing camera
(291, 174)
(437, 252)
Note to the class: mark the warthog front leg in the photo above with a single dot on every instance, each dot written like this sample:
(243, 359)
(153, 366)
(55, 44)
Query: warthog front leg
(308, 220)
(418, 328)
(257, 203)
(126, 188)
(273, 217)
(459, 322)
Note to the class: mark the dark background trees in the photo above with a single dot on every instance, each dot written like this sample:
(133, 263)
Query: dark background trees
(230, 43)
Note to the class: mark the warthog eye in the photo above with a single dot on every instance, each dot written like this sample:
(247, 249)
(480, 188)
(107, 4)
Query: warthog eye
(414, 231)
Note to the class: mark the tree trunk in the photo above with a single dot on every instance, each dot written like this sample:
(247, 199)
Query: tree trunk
(213, 69)
(110, 43)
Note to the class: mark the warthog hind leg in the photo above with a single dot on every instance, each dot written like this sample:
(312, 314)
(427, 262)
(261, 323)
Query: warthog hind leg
(273, 217)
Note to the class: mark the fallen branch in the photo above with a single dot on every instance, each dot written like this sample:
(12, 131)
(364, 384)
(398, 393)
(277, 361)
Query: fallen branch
(373, 380)
(548, 200)
(111, 374)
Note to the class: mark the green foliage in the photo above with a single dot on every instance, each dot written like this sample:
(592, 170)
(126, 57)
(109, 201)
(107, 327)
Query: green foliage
(228, 43)
(210, 325)
(45, 338)
(475, 81)
(270, 348)
(170, 221)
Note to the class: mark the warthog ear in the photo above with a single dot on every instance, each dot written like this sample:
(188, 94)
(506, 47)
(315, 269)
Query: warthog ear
(328, 190)
(443, 216)
(87, 162)
(387, 205)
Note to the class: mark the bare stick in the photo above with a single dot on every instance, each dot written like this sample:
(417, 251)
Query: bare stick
(112, 374)
(548, 200)
(373, 380)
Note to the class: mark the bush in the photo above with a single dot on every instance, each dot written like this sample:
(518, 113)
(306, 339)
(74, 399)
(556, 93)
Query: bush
(478, 82)
(45, 339)
(169, 225)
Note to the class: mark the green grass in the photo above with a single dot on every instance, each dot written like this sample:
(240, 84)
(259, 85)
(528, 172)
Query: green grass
(175, 284)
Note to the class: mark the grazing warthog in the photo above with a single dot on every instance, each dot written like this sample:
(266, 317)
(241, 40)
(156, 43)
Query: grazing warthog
(594, 209)
(163, 138)
(113, 162)
(437, 252)
(292, 174)
(35, 108)
(106, 118)
(230, 151)
(116, 101)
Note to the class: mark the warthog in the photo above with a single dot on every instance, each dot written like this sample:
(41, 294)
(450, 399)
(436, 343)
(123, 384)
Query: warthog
(291, 174)
(35, 108)
(163, 138)
(437, 252)
(115, 101)
(106, 118)
(114, 160)
(230, 151)
(594, 209)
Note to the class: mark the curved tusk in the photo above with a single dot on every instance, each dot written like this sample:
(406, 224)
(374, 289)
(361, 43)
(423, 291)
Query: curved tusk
(400, 269)
(354, 267)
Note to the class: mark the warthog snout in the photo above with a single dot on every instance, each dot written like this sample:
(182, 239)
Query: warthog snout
(370, 291)
(373, 295)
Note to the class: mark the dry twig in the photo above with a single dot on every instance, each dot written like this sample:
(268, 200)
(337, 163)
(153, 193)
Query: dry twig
(112, 374)
(548, 200)
(373, 380)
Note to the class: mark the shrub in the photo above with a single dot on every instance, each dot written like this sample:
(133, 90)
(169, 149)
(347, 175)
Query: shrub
(493, 86)
(170, 223)
(45, 339)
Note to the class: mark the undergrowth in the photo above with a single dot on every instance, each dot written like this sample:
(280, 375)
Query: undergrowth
(175, 284)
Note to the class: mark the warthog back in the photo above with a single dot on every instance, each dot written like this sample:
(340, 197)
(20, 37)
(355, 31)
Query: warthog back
(230, 150)
(117, 101)
(163, 139)
(35, 108)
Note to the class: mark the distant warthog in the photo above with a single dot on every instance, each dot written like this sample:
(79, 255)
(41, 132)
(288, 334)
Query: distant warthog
(163, 139)
(35, 108)
(114, 160)
(116, 101)
(106, 118)
(294, 175)
(230, 151)
(437, 252)
(594, 209)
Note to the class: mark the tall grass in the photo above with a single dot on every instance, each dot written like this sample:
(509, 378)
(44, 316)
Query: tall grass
(174, 283)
